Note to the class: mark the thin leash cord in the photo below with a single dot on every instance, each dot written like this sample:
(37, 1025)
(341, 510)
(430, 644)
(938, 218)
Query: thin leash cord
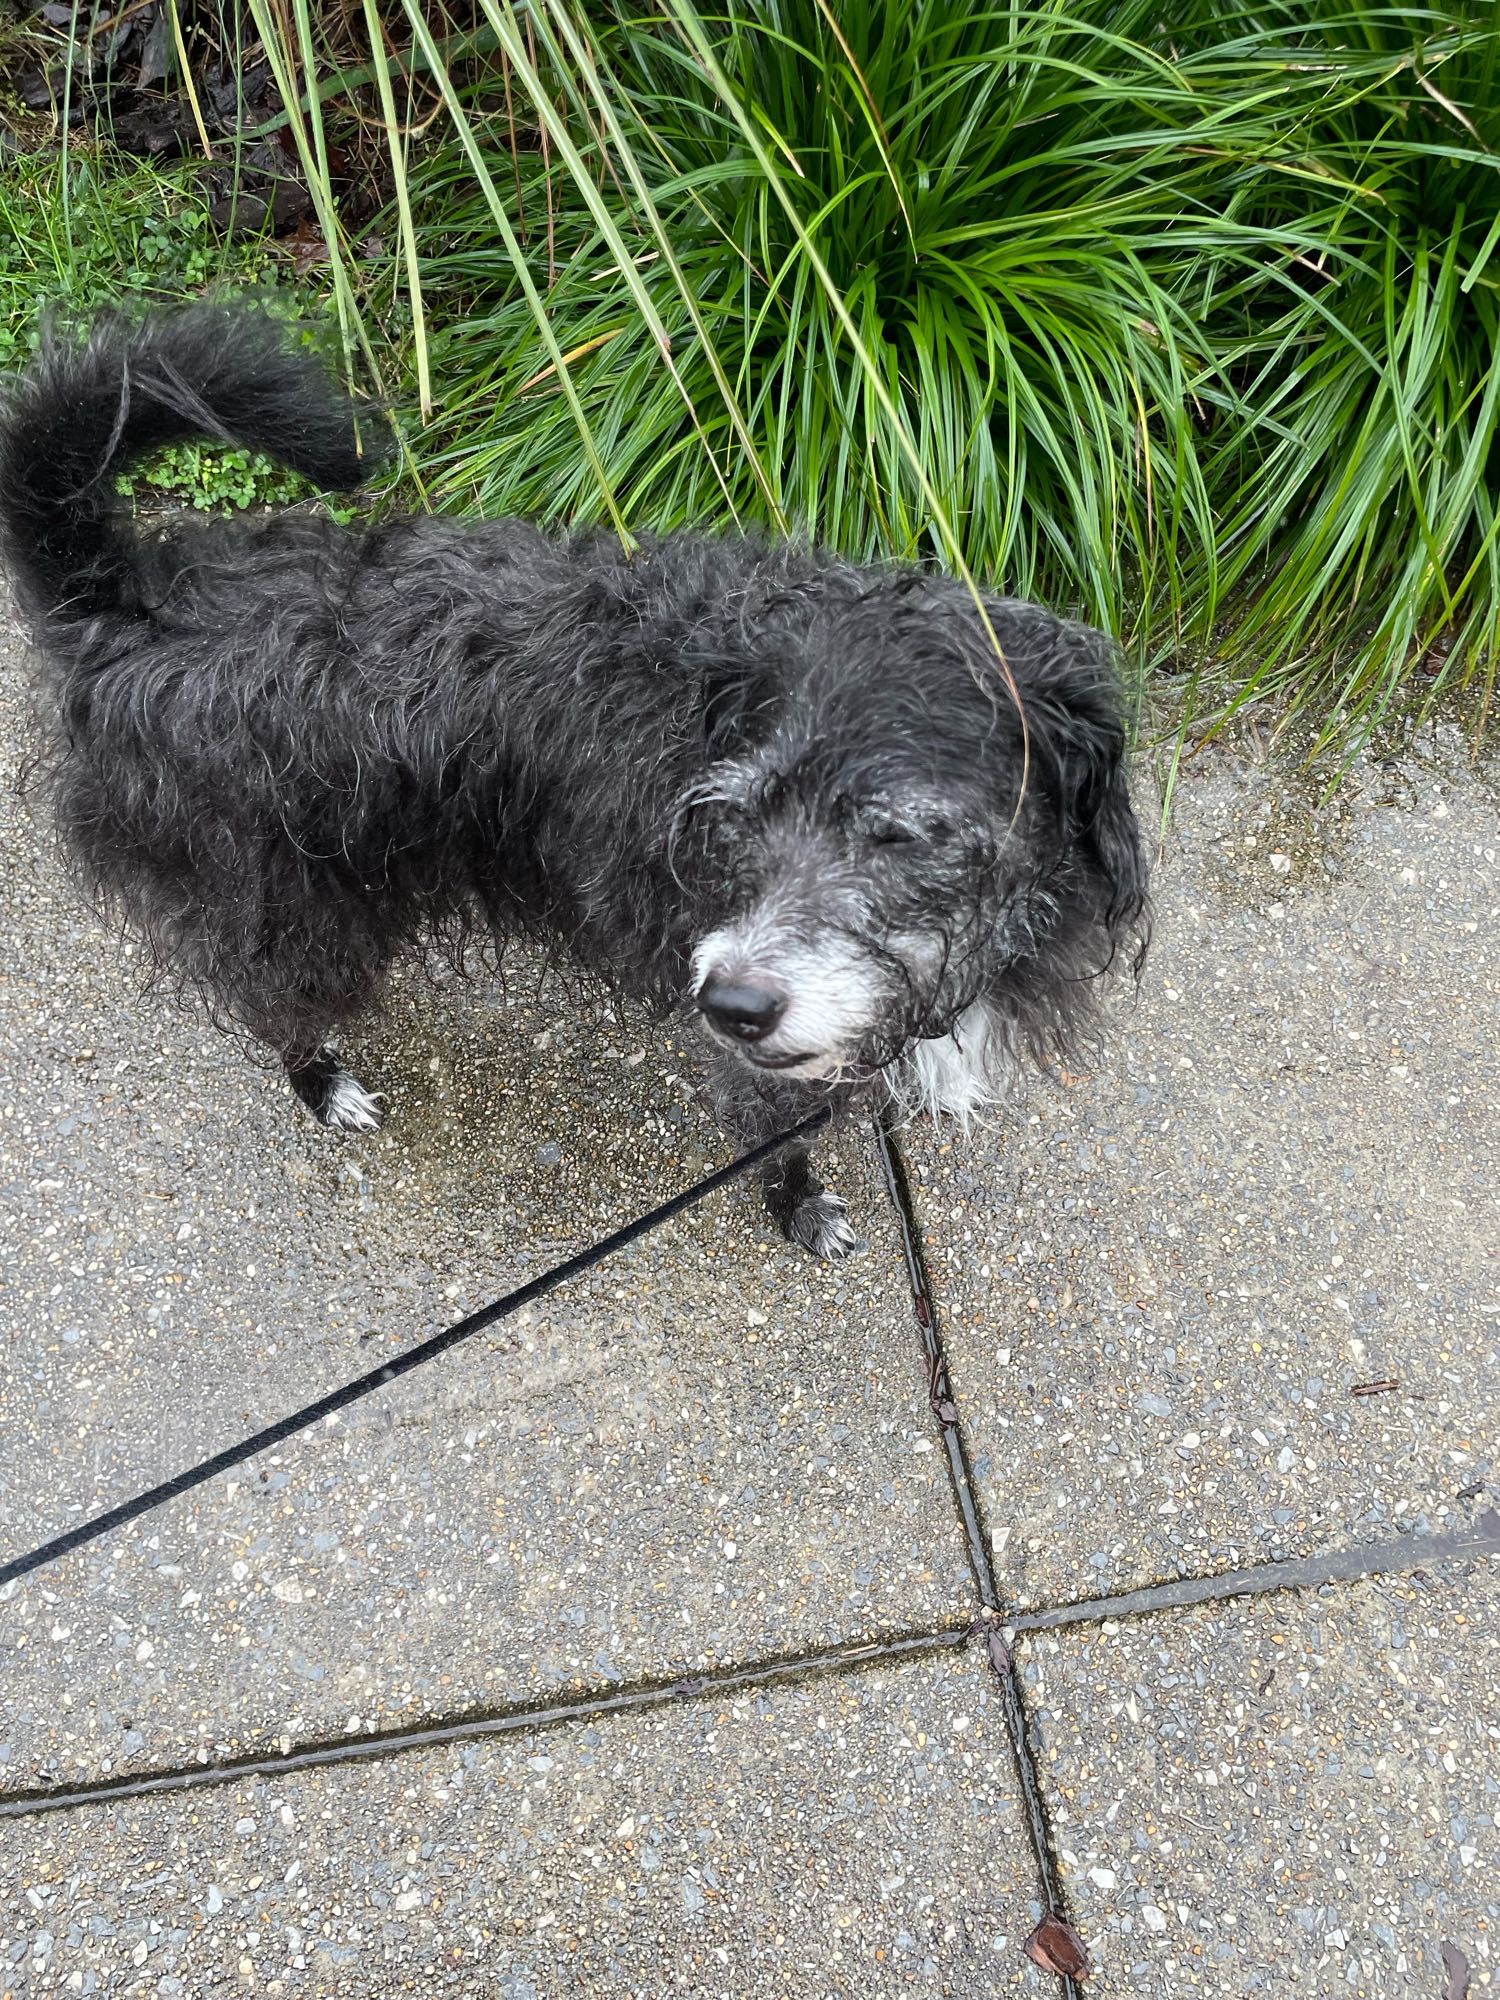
(391, 1371)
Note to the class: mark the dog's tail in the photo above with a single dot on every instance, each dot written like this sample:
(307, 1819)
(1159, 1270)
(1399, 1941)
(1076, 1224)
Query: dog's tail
(85, 408)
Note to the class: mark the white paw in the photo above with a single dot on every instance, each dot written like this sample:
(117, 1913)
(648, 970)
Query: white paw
(349, 1107)
(820, 1223)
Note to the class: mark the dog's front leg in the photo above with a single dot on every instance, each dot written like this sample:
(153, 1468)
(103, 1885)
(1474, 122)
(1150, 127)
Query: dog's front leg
(755, 1109)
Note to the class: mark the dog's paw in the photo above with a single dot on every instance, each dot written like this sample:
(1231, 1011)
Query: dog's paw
(334, 1097)
(348, 1107)
(820, 1223)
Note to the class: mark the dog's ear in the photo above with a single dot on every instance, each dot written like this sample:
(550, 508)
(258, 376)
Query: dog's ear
(1071, 693)
(1110, 831)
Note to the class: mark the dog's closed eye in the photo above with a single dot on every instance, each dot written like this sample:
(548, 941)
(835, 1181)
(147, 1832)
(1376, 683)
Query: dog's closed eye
(882, 827)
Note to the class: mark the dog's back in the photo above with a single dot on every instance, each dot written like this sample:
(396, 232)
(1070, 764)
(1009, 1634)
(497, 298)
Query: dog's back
(86, 408)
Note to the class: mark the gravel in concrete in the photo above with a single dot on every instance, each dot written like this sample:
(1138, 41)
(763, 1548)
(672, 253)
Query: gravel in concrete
(1163, 1284)
(708, 1450)
(857, 1835)
(1291, 1794)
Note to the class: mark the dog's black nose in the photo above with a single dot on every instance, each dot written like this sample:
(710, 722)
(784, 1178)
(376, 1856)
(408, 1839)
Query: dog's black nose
(749, 1013)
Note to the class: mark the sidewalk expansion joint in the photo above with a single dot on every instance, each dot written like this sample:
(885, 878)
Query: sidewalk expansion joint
(992, 1622)
(1291, 1573)
(780, 1670)
(939, 1391)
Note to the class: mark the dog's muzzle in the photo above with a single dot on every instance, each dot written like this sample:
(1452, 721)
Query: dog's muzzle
(746, 1014)
(783, 1003)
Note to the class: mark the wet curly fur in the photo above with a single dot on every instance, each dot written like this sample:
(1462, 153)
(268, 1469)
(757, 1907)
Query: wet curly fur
(753, 780)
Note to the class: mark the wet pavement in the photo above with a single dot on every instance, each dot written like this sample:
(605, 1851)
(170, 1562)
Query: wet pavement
(844, 1836)
(709, 1577)
(1227, 1299)
(1293, 1793)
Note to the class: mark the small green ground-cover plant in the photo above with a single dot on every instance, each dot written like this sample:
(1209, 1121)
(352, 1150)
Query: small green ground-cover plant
(211, 480)
(86, 227)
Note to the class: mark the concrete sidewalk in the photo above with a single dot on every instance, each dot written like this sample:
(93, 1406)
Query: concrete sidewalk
(670, 1571)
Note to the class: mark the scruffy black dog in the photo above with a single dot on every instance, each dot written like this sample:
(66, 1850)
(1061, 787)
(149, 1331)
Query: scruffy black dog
(790, 793)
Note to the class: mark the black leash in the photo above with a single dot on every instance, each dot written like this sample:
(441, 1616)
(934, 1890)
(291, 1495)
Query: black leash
(390, 1371)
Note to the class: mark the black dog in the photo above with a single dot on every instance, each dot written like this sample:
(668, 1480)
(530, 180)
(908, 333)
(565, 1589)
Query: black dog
(793, 794)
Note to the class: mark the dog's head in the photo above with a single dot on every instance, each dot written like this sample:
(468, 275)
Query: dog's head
(878, 840)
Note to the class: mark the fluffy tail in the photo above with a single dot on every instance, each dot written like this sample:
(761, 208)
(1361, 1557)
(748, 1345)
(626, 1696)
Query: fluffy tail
(83, 410)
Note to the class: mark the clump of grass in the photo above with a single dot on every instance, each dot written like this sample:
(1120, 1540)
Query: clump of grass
(1356, 492)
(1190, 326)
(1006, 206)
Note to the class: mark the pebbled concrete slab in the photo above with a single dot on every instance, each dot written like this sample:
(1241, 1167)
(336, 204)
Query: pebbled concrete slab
(709, 1450)
(854, 1835)
(1163, 1285)
(1298, 1793)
